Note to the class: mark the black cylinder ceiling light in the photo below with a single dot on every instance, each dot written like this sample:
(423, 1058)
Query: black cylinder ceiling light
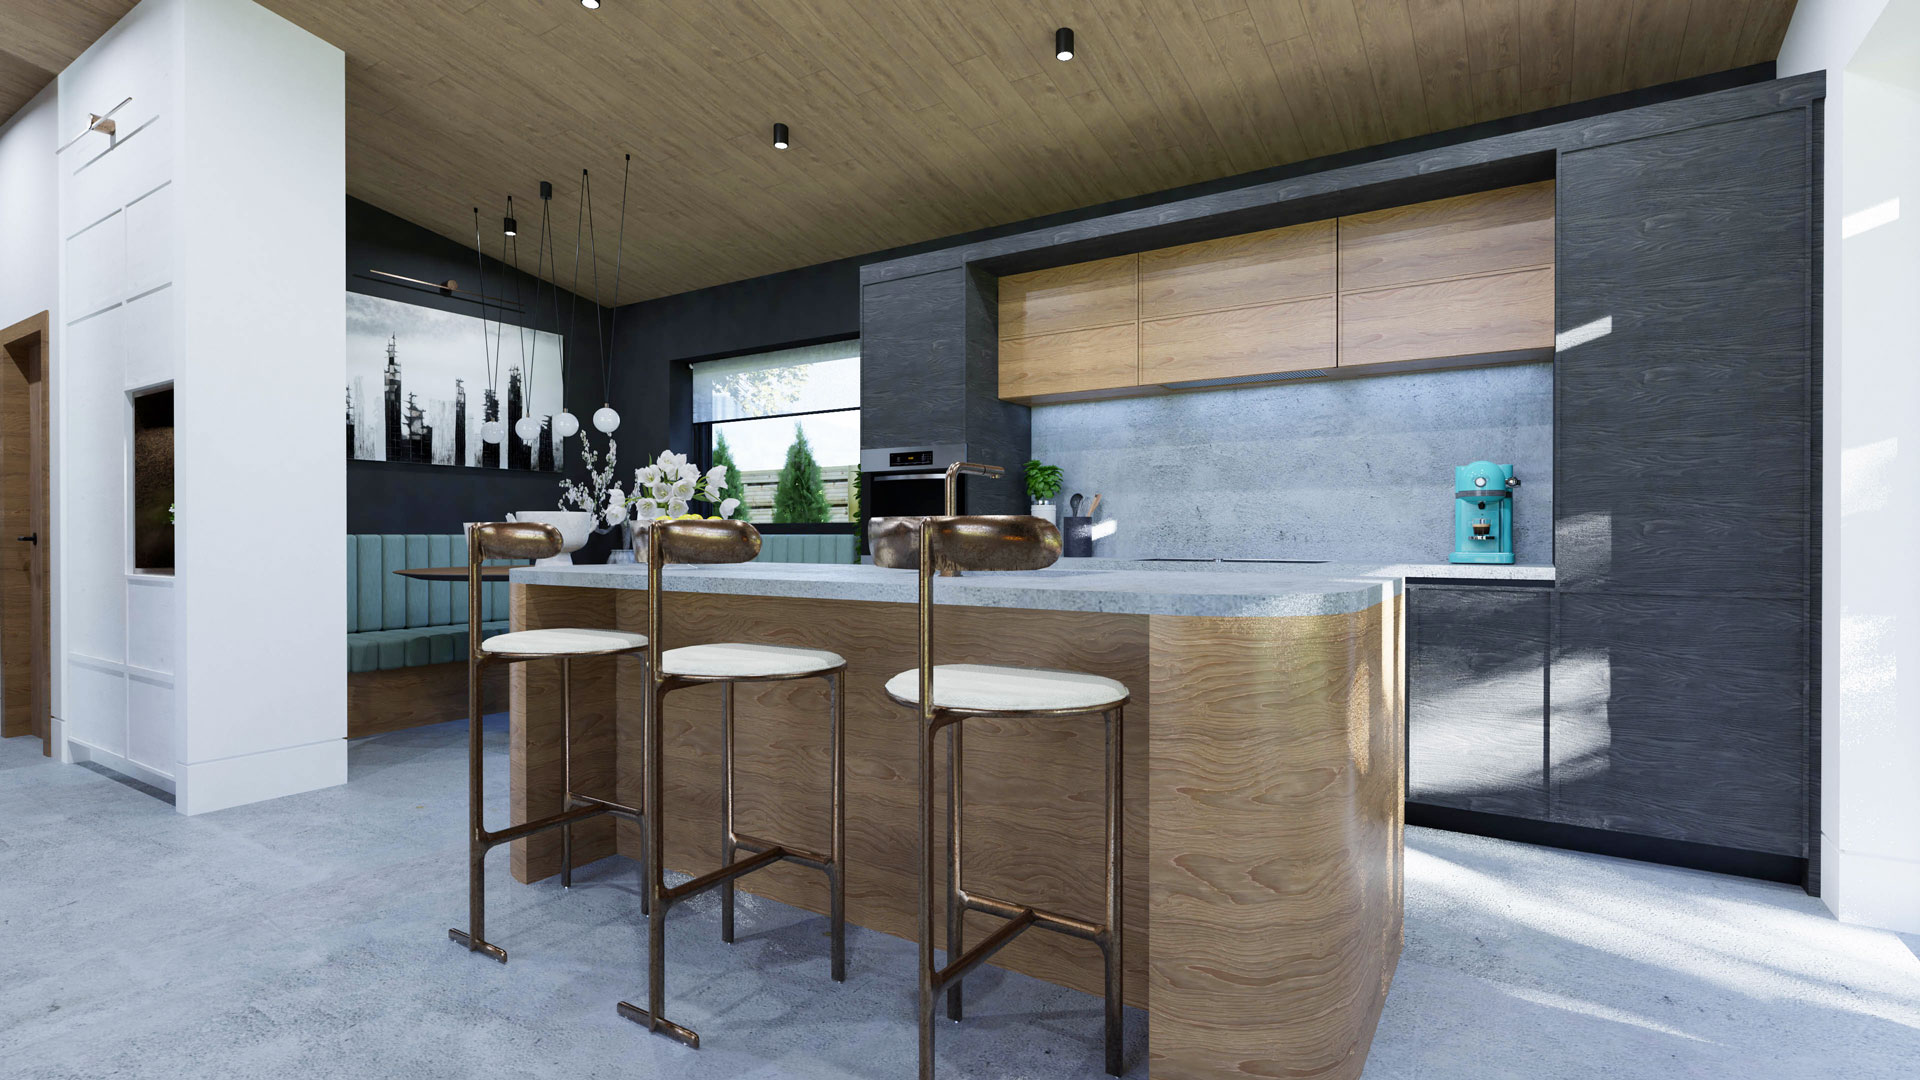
(507, 225)
(1063, 43)
(779, 136)
(590, 5)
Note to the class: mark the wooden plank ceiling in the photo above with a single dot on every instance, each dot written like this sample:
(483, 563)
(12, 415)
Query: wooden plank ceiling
(916, 119)
(39, 38)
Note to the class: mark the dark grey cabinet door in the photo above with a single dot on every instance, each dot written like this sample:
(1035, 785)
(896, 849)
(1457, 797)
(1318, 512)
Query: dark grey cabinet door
(912, 371)
(1683, 719)
(1476, 698)
(1683, 432)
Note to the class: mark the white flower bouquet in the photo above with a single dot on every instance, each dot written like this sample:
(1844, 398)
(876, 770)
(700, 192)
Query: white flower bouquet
(669, 486)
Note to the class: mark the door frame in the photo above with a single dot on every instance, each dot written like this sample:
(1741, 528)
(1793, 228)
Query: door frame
(29, 346)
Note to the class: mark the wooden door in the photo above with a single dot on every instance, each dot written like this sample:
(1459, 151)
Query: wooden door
(25, 679)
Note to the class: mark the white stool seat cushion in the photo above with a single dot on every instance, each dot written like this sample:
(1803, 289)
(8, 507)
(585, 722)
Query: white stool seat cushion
(563, 641)
(987, 688)
(732, 660)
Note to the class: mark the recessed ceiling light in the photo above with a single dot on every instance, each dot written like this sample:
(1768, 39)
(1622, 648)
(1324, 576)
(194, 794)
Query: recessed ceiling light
(1063, 43)
(590, 5)
(779, 136)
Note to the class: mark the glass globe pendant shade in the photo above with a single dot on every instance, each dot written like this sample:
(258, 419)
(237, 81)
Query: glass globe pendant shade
(493, 431)
(566, 425)
(528, 428)
(605, 419)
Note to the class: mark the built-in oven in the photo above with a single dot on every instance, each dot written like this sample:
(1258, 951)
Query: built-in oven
(909, 481)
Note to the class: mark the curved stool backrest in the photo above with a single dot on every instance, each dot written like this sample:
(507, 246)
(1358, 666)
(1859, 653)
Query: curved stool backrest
(688, 540)
(699, 540)
(513, 540)
(968, 542)
(502, 540)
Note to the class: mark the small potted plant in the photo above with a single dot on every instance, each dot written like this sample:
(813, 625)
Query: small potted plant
(1043, 483)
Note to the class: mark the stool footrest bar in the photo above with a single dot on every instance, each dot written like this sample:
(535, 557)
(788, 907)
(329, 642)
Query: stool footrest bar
(528, 828)
(609, 805)
(979, 954)
(742, 842)
(460, 937)
(661, 1025)
(725, 873)
(1045, 920)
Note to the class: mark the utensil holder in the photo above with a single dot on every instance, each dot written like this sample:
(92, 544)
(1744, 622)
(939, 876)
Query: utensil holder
(1076, 537)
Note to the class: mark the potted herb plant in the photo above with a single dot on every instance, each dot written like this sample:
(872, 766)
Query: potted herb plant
(1043, 483)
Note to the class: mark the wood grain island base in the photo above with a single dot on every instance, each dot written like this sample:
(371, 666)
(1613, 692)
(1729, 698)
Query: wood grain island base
(1263, 777)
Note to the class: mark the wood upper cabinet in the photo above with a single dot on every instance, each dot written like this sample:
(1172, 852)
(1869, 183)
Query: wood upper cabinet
(1238, 271)
(1465, 276)
(1256, 304)
(1468, 277)
(1070, 329)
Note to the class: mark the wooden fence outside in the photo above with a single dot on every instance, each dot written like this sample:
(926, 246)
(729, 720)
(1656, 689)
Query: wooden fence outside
(761, 485)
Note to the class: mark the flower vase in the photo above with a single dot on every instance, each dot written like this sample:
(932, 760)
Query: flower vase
(622, 553)
(1046, 511)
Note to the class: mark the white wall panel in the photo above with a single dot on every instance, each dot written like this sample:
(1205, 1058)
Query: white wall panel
(150, 722)
(96, 266)
(29, 213)
(150, 623)
(151, 342)
(151, 242)
(97, 706)
(93, 459)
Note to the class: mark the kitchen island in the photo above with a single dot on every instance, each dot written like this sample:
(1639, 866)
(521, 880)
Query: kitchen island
(1264, 772)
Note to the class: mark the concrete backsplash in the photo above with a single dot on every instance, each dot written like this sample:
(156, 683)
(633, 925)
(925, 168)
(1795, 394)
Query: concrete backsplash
(1355, 469)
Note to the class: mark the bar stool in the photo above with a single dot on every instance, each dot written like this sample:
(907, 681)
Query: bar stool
(710, 542)
(947, 694)
(524, 540)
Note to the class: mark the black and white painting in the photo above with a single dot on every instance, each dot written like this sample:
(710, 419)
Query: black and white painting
(419, 388)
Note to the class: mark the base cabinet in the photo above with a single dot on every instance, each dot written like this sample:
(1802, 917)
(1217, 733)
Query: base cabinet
(1682, 718)
(1477, 698)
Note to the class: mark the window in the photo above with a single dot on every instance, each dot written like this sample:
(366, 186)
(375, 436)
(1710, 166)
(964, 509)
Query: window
(758, 410)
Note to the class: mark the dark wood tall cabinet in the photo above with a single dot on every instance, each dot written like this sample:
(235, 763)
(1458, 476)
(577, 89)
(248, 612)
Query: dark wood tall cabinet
(1681, 641)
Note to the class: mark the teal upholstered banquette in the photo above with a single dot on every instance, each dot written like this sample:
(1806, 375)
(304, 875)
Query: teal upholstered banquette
(395, 622)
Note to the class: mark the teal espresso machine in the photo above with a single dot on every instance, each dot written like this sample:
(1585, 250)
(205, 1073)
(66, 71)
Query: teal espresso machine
(1483, 513)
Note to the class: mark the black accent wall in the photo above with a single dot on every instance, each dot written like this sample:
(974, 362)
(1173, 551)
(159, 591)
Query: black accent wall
(393, 497)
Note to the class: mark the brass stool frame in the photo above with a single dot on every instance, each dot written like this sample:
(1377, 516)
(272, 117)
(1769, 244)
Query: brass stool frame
(930, 545)
(697, 541)
(516, 540)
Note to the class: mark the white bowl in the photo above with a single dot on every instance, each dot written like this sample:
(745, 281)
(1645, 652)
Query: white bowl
(574, 525)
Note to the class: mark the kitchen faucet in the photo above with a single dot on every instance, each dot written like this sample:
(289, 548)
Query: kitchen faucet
(954, 472)
(967, 468)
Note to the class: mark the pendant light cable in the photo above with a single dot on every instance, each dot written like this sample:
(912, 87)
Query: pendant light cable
(599, 328)
(606, 367)
(573, 294)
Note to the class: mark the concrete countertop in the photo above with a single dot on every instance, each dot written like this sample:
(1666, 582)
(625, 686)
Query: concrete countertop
(1250, 590)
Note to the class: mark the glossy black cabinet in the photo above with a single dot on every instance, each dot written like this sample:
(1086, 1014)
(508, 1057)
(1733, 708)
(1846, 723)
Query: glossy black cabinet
(1685, 721)
(1476, 698)
(1682, 680)
(1684, 422)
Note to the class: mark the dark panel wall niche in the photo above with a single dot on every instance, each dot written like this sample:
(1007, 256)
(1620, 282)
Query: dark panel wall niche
(153, 479)
(1663, 690)
(391, 497)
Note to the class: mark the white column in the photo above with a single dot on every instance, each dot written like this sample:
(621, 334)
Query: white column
(1870, 730)
(206, 248)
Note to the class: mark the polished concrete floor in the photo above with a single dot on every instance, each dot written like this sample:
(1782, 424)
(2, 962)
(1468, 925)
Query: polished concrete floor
(306, 937)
